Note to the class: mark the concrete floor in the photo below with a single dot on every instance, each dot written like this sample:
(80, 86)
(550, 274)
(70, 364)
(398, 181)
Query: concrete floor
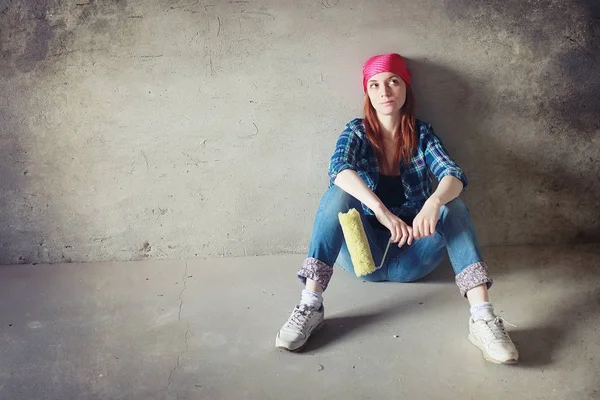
(205, 329)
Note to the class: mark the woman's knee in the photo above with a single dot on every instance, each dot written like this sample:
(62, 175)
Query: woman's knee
(455, 207)
(337, 200)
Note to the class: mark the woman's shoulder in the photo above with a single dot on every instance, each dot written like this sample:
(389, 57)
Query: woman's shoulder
(422, 127)
(354, 129)
(357, 126)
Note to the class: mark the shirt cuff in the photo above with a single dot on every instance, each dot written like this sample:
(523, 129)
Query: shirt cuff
(457, 173)
(333, 172)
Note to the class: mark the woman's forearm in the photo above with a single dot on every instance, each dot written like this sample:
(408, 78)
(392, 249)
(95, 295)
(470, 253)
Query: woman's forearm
(349, 181)
(448, 189)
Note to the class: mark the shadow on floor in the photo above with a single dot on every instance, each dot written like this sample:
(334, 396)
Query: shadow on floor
(540, 346)
(343, 326)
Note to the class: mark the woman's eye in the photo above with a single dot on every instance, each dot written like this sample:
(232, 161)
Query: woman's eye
(394, 81)
(373, 85)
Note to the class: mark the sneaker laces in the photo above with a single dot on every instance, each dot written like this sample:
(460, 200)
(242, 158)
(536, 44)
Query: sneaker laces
(299, 317)
(496, 325)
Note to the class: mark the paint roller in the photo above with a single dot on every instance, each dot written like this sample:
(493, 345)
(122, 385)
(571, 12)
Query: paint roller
(357, 243)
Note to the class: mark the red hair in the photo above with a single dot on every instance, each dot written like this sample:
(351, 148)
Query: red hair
(407, 138)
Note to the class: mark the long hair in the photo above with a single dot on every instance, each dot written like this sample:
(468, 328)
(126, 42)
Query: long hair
(407, 138)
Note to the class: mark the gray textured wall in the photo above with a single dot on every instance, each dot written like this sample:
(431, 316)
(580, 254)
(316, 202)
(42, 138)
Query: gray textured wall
(166, 129)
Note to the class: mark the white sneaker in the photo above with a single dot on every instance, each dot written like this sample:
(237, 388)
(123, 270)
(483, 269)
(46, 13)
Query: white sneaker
(296, 331)
(492, 339)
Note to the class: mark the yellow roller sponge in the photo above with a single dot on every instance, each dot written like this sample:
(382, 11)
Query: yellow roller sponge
(357, 242)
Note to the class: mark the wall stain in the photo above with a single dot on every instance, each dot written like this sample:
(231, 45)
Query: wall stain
(36, 48)
(33, 33)
(569, 31)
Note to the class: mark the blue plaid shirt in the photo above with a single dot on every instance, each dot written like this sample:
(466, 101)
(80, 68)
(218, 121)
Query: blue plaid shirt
(354, 151)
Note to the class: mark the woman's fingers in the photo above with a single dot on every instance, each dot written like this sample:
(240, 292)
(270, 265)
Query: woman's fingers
(401, 233)
(415, 230)
(394, 233)
(425, 229)
(398, 233)
(422, 228)
(419, 228)
(404, 237)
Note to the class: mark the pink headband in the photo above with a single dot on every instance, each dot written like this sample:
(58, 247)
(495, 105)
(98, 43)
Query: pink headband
(393, 63)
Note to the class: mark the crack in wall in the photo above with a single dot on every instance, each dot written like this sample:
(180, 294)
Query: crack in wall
(186, 334)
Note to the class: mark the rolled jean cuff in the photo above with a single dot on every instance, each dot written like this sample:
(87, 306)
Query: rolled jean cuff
(473, 276)
(316, 270)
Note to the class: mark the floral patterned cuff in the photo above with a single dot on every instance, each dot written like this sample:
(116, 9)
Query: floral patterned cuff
(473, 276)
(316, 270)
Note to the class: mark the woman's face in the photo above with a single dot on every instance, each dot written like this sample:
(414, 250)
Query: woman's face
(387, 92)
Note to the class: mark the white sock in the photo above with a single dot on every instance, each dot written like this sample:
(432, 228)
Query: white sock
(310, 298)
(484, 311)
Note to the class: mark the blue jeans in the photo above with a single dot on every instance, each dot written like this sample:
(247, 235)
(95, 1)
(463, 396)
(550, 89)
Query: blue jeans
(454, 234)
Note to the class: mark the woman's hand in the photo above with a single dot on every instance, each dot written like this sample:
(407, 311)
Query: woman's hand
(400, 231)
(426, 220)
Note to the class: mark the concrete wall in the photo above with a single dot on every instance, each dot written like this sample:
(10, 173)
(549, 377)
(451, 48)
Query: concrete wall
(164, 129)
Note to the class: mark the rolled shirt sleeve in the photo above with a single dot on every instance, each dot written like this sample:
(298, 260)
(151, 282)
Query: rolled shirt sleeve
(438, 160)
(345, 153)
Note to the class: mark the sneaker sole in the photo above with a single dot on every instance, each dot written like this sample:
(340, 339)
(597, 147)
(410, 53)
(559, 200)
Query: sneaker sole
(280, 344)
(486, 355)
